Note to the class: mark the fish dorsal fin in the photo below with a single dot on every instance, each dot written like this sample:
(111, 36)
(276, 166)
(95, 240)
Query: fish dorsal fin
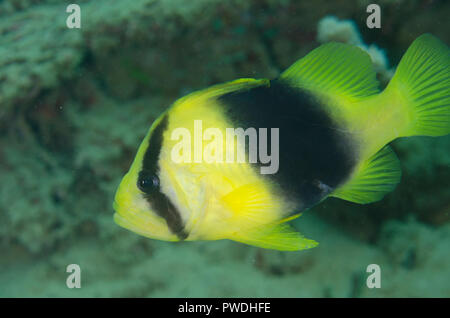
(282, 237)
(223, 88)
(373, 179)
(337, 70)
(257, 220)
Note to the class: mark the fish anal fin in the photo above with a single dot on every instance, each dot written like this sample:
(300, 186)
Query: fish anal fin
(282, 237)
(373, 179)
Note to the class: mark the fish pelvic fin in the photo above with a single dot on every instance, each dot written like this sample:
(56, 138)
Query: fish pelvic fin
(257, 219)
(421, 87)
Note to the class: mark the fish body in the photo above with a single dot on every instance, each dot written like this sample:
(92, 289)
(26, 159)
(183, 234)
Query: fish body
(333, 125)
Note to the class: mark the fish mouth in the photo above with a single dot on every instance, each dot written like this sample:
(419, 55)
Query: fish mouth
(118, 217)
(134, 220)
(136, 227)
(123, 222)
(115, 206)
(118, 209)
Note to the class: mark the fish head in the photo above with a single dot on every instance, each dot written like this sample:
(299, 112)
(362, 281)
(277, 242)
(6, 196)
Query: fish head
(136, 210)
(159, 197)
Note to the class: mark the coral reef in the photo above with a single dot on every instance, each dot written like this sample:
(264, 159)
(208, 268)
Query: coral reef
(74, 105)
(412, 257)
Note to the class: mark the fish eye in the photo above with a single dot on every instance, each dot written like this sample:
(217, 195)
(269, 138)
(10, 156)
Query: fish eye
(148, 183)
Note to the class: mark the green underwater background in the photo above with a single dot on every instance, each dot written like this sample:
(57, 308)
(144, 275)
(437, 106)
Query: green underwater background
(76, 103)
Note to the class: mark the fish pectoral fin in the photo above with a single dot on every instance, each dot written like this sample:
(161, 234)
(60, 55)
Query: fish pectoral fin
(373, 179)
(253, 200)
(257, 220)
(282, 237)
(337, 70)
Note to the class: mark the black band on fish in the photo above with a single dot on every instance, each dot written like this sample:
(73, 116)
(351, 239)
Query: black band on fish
(151, 156)
(148, 182)
(164, 208)
(310, 166)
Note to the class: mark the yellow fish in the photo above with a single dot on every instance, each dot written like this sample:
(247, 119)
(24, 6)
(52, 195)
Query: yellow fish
(332, 126)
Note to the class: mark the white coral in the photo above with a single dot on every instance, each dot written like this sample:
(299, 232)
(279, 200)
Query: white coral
(331, 28)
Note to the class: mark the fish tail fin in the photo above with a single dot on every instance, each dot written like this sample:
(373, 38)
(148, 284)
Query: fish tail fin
(421, 86)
